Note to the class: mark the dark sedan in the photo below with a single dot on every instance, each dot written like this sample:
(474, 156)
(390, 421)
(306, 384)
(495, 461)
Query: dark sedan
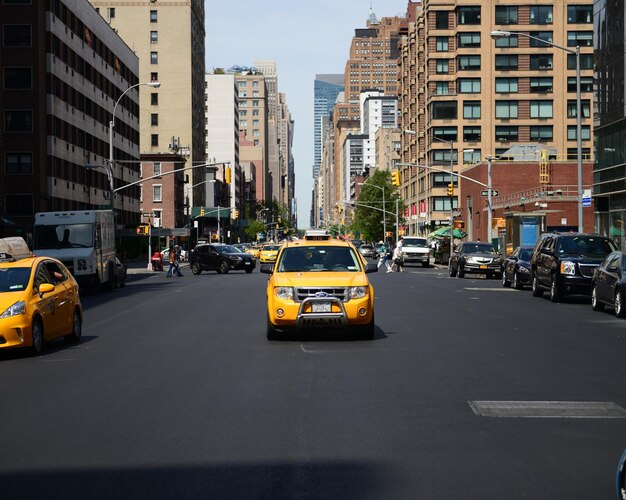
(220, 258)
(608, 285)
(475, 257)
(516, 268)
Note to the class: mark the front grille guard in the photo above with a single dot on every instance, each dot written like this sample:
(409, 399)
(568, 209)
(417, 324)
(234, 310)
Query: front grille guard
(336, 318)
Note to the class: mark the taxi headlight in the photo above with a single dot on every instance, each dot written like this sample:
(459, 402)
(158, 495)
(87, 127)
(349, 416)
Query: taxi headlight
(15, 310)
(358, 292)
(568, 267)
(284, 292)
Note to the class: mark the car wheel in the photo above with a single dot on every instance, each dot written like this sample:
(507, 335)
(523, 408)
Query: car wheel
(195, 268)
(122, 283)
(537, 292)
(271, 332)
(618, 304)
(369, 331)
(426, 264)
(596, 305)
(517, 284)
(555, 290)
(461, 272)
(37, 338)
(249, 270)
(77, 328)
(223, 267)
(505, 282)
(451, 272)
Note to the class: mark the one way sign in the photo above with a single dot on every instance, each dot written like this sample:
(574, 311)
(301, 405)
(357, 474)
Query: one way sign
(486, 193)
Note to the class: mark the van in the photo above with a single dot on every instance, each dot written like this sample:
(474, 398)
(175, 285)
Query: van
(416, 249)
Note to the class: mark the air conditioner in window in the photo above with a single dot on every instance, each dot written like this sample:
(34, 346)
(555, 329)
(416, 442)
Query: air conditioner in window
(156, 222)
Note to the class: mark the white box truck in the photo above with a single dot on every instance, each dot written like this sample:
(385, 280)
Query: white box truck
(84, 240)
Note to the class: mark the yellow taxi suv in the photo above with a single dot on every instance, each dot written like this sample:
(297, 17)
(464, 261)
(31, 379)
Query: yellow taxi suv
(319, 282)
(39, 299)
(268, 253)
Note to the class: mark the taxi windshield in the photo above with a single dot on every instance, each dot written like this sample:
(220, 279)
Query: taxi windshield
(318, 258)
(271, 248)
(14, 279)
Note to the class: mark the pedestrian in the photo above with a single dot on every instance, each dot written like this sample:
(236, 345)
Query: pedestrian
(173, 264)
(398, 257)
(383, 257)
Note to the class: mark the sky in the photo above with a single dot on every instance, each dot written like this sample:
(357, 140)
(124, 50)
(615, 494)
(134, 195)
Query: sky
(305, 38)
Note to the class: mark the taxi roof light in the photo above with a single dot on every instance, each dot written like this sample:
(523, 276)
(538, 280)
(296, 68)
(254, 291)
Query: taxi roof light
(14, 248)
(317, 234)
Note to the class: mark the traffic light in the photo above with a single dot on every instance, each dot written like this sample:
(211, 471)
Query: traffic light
(228, 175)
(451, 189)
(459, 224)
(202, 212)
(235, 214)
(143, 229)
(395, 178)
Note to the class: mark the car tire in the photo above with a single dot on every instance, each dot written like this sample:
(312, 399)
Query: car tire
(596, 305)
(426, 264)
(461, 272)
(537, 292)
(249, 270)
(223, 267)
(505, 282)
(37, 337)
(195, 268)
(77, 328)
(369, 331)
(451, 272)
(618, 304)
(555, 290)
(271, 333)
(517, 284)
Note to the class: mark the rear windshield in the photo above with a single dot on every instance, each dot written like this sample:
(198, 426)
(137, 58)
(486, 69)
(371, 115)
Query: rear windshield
(586, 246)
(14, 279)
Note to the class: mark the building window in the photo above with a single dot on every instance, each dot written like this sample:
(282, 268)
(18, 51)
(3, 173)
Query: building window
(586, 84)
(445, 110)
(154, 139)
(154, 77)
(541, 14)
(255, 123)
(506, 133)
(243, 123)
(255, 104)
(506, 15)
(468, 63)
(545, 39)
(506, 109)
(154, 119)
(154, 57)
(242, 84)
(154, 37)
(157, 167)
(541, 61)
(255, 84)
(154, 98)
(582, 38)
(505, 62)
(153, 16)
(586, 61)
(442, 203)
(255, 133)
(471, 134)
(468, 15)
(572, 153)
(466, 40)
(18, 163)
(471, 110)
(18, 120)
(445, 133)
(507, 41)
(19, 205)
(507, 85)
(579, 14)
(441, 19)
(541, 133)
(442, 88)
(18, 78)
(442, 66)
(585, 133)
(472, 156)
(441, 44)
(442, 156)
(157, 194)
(17, 35)
(111, 13)
(541, 85)
(469, 86)
(585, 108)
(541, 109)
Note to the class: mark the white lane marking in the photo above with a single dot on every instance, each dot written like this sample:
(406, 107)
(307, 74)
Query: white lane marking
(477, 289)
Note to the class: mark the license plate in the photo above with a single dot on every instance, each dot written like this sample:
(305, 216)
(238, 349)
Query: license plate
(321, 307)
(247, 263)
(483, 267)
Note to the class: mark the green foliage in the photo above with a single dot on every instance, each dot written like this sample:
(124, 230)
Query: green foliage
(368, 215)
(253, 228)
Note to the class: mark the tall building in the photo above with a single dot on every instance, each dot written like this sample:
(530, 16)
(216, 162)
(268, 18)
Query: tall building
(377, 111)
(326, 88)
(610, 121)
(465, 96)
(168, 36)
(63, 71)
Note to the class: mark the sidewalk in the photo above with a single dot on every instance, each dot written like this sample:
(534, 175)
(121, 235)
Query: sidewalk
(142, 268)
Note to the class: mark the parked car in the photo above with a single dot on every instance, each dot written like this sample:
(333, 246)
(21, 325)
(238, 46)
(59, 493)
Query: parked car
(563, 263)
(366, 250)
(608, 284)
(416, 249)
(475, 257)
(221, 258)
(121, 273)
(516, 268)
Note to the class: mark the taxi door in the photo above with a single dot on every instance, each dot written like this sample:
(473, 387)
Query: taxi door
(65, 296)
(49, 303)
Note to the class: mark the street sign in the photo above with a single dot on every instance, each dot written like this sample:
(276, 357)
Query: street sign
(586, 198)
(486, 193)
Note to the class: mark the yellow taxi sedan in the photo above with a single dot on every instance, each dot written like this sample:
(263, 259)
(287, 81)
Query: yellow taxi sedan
(320, 283)
(39, 299)
(268, 253)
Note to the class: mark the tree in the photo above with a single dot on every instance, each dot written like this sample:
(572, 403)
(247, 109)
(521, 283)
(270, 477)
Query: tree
(255, 227)
(368, 215)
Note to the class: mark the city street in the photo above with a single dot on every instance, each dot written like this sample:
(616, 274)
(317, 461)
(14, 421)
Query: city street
(175, 392)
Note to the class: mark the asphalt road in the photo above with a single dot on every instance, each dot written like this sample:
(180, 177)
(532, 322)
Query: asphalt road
(176, 393)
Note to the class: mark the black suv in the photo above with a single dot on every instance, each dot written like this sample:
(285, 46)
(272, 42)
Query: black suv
(563, 263)
(221, 258)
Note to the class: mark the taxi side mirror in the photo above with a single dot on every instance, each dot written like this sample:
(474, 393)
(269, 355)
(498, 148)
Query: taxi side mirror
(45, 288)
(371, 268)
(267, 268)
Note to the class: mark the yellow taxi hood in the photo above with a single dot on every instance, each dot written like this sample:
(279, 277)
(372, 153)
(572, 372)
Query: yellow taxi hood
(7, 299)
(326, 279)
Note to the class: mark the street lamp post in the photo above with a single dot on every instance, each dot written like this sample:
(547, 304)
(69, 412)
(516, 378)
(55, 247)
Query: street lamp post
(384, 206)
(502, 34)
